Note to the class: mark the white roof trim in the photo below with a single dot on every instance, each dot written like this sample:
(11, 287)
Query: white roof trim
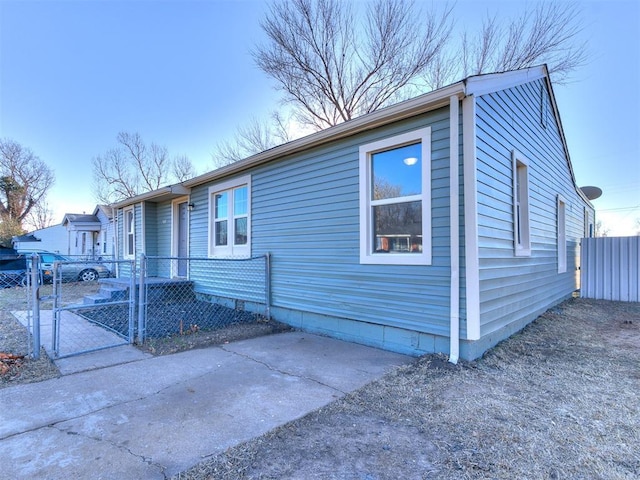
(494, 82)
(171, 190)
(476, 86)
(409, 108)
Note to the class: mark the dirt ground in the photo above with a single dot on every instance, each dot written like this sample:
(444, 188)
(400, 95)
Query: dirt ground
(191, 339)
(556, 401)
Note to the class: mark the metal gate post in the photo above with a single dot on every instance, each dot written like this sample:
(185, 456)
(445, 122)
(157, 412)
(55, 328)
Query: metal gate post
(55, 331)
(132, 300)
(35, 292)
(141, 299)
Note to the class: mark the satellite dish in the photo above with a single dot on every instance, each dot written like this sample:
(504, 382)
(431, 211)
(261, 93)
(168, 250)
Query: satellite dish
(591, 192)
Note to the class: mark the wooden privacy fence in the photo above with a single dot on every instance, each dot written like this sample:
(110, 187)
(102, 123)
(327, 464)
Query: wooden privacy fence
(610, 268)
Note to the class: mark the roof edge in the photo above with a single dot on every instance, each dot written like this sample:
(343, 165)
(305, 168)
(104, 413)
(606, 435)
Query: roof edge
(494, 82)
(176, 189)
(399, 111)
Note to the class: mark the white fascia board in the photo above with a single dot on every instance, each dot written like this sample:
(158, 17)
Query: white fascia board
(409, 108)
(494, 82)
(169, 191)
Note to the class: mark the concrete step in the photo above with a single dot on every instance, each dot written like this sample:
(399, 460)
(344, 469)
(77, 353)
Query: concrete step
(114, 293)
(105, 295)
(95, 299)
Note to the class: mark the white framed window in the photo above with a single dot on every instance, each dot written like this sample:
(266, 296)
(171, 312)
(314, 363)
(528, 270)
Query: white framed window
(521, 233)
(562, 234)
(230, 219)
(104, 241)
(395, 200)
(129, 233)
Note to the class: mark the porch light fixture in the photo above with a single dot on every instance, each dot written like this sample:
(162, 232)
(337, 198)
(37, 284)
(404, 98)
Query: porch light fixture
(410, 161)
(191, 206)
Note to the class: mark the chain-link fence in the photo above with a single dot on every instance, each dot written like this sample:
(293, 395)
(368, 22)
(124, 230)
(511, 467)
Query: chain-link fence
(13, 269)
(184, 295)
(74, 307)
(90, 309)
(15, 319)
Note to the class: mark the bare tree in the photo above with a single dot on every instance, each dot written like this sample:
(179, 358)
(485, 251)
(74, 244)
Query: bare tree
(254, 137)
(40, 216)
(183, 169)
(24, 182)
(133, 167)
(601, 230)
(544, 33)
(332, 67)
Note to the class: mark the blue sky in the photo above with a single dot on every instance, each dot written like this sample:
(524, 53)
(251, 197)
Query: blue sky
(75, 73)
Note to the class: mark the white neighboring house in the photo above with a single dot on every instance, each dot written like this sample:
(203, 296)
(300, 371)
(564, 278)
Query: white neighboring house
(79, 234)
(52, 239)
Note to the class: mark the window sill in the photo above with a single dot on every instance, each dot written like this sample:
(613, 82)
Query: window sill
(395, 259)
(522, 252)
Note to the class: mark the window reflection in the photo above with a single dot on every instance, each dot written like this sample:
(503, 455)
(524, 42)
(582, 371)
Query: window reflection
(240, 201)
(398, 228)
(397, 172)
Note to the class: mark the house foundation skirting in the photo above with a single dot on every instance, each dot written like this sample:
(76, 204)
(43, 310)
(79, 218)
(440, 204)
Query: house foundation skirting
(395, 339)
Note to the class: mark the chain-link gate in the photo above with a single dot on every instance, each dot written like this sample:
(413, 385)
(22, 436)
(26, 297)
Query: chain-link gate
(90, 310)
(91, 306)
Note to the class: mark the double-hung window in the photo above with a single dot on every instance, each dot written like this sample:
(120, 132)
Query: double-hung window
(129, 233)
(562, 234)
(522, 237)
(395, 200)
(230, 219)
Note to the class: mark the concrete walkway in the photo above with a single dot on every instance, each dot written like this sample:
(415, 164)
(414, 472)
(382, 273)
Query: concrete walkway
(153, 417)
(77, 334)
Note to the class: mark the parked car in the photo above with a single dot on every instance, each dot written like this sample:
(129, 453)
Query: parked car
(13, 268)
(76, 271)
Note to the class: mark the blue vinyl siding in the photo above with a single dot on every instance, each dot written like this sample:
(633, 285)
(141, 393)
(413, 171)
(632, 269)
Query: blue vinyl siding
(516, 288)
(158, 237)
(305, 213)
(163, 232)
(151, 227)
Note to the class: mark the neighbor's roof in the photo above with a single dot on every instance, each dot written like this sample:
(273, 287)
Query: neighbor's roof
(105, 209)
(25, 238)
(79, 218)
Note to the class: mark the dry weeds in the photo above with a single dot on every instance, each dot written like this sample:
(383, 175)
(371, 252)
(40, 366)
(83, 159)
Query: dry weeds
(14, 340)
(557, 401)
(195, 338)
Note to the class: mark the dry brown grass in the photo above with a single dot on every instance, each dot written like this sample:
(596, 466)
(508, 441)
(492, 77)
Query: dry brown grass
(14, 339)
(557, 401)
(207, 338)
